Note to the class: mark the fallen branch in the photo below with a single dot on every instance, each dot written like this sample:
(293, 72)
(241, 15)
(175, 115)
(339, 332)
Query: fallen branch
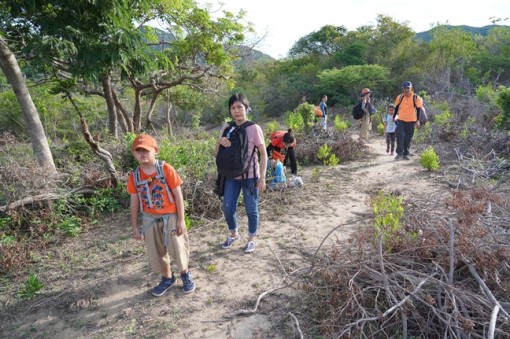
(297, 325)
(254, 309)
(45, 197)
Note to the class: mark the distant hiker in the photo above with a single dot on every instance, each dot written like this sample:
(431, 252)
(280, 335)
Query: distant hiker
(389, 129)
(324, 108)
(302, 100)
(366, 120)
(155, 191)
(281, 147)
(240, 139)
(407, 115)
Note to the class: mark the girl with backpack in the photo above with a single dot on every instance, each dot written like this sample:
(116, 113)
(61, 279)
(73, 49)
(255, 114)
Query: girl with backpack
(281, 147)
(240, 139)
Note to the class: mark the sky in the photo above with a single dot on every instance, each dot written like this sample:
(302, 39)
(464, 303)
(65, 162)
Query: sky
(283, 22)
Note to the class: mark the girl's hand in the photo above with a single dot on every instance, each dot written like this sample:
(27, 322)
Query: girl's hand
(261, 184)
(225, 142)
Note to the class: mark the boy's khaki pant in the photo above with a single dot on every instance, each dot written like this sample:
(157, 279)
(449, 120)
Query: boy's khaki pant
(177, 247)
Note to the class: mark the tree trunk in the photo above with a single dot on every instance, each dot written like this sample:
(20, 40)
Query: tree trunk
(10, 67)
(169, 106)
(110, 104)
(125, 114)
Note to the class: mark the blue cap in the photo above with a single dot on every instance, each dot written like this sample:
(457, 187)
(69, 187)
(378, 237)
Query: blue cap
(407, 84)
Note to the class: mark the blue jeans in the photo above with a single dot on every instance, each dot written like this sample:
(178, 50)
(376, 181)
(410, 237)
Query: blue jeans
(251, 203)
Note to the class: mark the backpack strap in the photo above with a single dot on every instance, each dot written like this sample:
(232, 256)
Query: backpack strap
(136, 177)
(160, 174)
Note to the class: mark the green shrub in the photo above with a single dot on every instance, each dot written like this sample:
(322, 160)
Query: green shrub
(327, 157)
(31, 287)
(380, 129)
(193, 159)
(429, 159)
(503, 102)
(340, 124)
(388, 210)
(71, 226)
(295, 121)
(307, 113)
(272, 126)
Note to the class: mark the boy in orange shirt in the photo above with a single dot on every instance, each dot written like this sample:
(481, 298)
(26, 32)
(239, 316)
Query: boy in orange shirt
(155, 190)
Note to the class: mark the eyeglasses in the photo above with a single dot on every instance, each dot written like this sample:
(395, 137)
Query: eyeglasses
(406, 87)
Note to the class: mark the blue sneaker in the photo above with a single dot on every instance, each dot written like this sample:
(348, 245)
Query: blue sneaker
(163, 286)
(188, 285)
(228, 243)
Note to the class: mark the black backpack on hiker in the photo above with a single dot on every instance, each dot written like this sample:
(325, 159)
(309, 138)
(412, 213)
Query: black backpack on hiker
(357, 111)
(234, 161)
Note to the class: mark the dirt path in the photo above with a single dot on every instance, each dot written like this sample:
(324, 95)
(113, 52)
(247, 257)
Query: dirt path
(98, 287)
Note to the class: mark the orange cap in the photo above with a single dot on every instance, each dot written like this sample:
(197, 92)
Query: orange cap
(365, 91)
(146, 142)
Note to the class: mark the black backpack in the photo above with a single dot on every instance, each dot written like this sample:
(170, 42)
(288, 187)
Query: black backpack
(234, 161)
(357, 111)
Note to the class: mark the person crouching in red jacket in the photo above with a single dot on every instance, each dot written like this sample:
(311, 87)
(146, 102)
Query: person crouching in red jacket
(281, 147)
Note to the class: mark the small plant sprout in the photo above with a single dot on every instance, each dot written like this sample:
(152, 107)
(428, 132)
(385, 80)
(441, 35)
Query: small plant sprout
(429, 159)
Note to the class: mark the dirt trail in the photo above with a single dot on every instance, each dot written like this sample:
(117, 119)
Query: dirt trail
(99, 286)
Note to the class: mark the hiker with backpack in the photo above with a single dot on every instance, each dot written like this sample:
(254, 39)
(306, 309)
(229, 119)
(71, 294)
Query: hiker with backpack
(408, 107)
(368, 110)
(155, 192)
(281, 147)
(239, 169)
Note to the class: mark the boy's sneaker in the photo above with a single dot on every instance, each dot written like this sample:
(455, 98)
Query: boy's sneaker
(163, 286)
(406, 157)
(250, 247)
(398, 157)
(228, 243)
(188, 285)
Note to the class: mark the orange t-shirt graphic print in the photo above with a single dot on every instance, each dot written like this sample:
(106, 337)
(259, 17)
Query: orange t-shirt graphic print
(161, 203)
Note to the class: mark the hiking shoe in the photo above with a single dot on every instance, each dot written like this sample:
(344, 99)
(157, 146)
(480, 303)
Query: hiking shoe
(250, 247)
(228, 243)
(188, 285)
(163, 286)
(406, 157)
(398, 157)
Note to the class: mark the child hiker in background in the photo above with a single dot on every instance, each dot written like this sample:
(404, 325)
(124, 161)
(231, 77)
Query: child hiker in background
(155, 191)
(389, 129)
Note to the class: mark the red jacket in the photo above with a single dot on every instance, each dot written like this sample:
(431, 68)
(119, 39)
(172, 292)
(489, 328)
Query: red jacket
(277, 143)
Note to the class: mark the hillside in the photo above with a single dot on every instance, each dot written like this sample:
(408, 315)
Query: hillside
(483, 31)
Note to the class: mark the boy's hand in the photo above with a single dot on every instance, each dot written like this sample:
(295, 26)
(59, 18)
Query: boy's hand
(137, 235)
(180, 227)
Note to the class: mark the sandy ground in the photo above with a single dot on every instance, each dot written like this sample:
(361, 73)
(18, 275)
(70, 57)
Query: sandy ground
(99, 286)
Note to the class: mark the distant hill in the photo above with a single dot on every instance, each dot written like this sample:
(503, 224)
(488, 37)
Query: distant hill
(248, 55)
(483, 31)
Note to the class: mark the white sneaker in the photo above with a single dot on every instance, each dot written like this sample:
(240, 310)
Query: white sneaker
(250, 247)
